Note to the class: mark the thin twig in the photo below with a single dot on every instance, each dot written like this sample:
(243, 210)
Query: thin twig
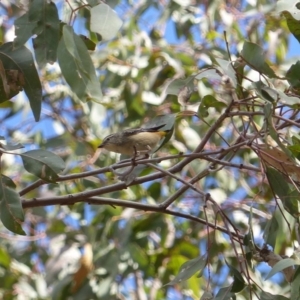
(184, 188)
(177, 178)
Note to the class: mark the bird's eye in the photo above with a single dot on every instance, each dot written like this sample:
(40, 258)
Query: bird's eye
(106, 140)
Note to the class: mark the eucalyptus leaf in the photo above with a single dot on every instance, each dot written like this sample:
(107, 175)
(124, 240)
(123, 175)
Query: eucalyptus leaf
(228, 70)
(238, 280)
(46, 42)
(21, 59)
(11, 147)
(44, 164)
(254, 56)
(177, 85)
(77, 66)
(281, 265)
(225, 294)
(23, 30)
(292, 75)
(271, 231)
(6, 181)
(105, 21)
(267, 296)
(189, 268)
(11, 211)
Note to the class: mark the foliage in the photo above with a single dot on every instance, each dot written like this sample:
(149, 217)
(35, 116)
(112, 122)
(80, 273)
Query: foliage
(212, 213)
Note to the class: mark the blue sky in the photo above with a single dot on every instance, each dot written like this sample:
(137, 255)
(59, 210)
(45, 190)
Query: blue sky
(294, 48)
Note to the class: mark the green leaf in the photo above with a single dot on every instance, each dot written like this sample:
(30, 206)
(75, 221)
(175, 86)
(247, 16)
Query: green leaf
(295, 148)
(265, 92)
(288, 100)
(11, 211)
(154, 190)
(189, 268)
(23, 30)
(212, 74)
(96, 2)
(295, 285)
(7, 181)
(296, 140)
(292, 75)
(36, 10)
(21, 59)
(11, 147)
(267, 296)
(278, 183)
(137, 254)
(225, 294)
(291, 203)
(44, 164)
(45, 44)
(249, 237)
(207, 102)
(254, 57)
(184, 95)
(77, 66)
(105, 21)
(207, 296)
(177, 85)
(269, 126)
(271, 231)
(281, 188)
(293, 24)
(228, 70)
(5, 258)
(238, 281)
(90, 45)
(282, 264)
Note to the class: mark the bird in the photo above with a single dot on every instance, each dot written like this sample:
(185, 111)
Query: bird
(134, 141)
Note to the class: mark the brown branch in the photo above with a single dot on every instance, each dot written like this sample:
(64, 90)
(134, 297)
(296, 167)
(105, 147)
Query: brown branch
(121, 164)
(81, 197)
